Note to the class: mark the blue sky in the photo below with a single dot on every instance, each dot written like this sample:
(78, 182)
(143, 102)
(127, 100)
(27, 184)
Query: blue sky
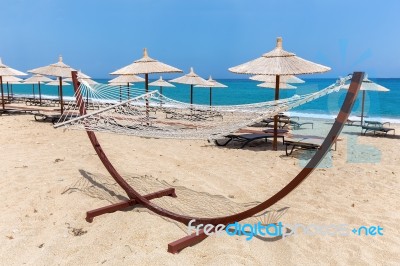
(100, 36)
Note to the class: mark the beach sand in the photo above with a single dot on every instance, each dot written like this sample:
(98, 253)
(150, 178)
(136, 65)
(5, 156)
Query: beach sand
(50, 178)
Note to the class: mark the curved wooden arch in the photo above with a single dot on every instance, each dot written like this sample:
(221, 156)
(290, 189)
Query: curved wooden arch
(145, 199)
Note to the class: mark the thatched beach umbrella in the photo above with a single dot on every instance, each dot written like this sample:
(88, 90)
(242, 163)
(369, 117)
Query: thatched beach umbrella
(82, 76)
(367, 85)
(58, 84)
(85, 78)
(59, 70)
(125, 79)
(213, 84)
(272, 85)
(278, 62)
(7, 71)
(191, 79)
(161, 83)
(10, 80)
(272, 79)
(146, 66)
(37, 79)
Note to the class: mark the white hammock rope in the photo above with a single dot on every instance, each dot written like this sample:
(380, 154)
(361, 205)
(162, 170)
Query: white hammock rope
(130, 111)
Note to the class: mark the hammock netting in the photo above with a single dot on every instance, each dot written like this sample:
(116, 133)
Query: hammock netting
(131, 111)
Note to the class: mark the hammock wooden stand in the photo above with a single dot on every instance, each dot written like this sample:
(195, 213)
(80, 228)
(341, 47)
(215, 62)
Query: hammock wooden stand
(145, 200)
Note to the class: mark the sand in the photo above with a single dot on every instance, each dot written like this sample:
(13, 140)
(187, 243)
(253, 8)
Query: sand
(50, 178)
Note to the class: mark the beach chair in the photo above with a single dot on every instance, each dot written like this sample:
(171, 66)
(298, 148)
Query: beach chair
(247, 138)
(297, 125)
(19, 111)
(303, 145)
(350, 122)
(376, 129)
(52, 118)
(376, 123)
(307, 143)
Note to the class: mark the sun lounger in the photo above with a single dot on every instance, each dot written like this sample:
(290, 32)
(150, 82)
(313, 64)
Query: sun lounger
(52, 118)
(18, 111)
(247, 138)
(297, 125)
(350, 122)
(308, 143)
(284, 121)
(376, 123)
(299, 145)
(376, 129)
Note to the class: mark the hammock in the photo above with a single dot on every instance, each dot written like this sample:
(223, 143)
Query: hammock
(130, 111)
(142, 105)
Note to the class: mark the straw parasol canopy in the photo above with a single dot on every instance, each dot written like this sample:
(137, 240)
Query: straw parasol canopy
(272, 85)
(37, 78)
(82, 76)
(57, 83)
(271, 79)
(161, 83)
(60, 70)
(125, 79)
(213, 84)
(278, 62)
(146, 65)
(192, 79)
(367, 85)
(7, 71)
(11, 79)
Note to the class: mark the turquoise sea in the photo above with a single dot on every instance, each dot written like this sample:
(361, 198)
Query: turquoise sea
(378, 105)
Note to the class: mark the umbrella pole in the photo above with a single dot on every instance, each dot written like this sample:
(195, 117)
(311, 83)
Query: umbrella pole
(33, 91)
(120, 93)
(2, 92)
(40, 94)
(128, 90)
(362, 108)
(210, 95)
(87, 98)
(191, 93)
(8, 92)
(61, 95)
(275, 143)
(161, 95)
(146, 80)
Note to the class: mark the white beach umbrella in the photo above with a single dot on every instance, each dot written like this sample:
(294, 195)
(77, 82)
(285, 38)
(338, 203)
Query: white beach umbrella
(125, 79)
(10, 80)
(191, 79)
(7, 71)
(146, 66)
(37, 78)
(60, 70)
(83, 76)
(161, 83)
(213, 84)
(57, 83)
(272, 79)
(272, 85)
(367, 85)
(278, 62)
